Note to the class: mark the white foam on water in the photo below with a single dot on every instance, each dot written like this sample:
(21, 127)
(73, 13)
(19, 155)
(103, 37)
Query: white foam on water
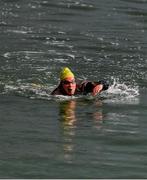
(17, 31)
(33, 91)
(18, 53)
(122, 93)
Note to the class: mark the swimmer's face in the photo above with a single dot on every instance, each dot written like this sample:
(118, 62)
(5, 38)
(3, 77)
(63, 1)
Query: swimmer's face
(69, 86)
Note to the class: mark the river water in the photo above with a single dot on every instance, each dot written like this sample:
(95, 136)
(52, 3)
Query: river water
(80, 137)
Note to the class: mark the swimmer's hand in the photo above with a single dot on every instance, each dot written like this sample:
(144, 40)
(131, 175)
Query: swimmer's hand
(97, 89)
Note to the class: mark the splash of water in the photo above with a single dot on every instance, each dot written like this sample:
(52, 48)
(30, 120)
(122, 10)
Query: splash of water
(122, 93)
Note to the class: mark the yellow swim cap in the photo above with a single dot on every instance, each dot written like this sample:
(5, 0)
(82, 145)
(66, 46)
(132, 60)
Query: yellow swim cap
(66, 73)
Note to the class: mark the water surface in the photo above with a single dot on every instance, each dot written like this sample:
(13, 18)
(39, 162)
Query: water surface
(80, 137)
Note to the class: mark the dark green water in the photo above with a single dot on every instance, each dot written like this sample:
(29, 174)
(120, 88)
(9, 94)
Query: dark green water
(81, 137)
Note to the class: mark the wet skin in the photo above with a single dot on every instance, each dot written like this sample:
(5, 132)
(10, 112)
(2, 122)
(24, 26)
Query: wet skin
(69, 86)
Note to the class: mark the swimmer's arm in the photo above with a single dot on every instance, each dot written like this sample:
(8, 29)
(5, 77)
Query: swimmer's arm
(95, 87)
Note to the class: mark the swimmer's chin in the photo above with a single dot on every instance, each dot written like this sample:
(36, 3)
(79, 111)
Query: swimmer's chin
(70, 92)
